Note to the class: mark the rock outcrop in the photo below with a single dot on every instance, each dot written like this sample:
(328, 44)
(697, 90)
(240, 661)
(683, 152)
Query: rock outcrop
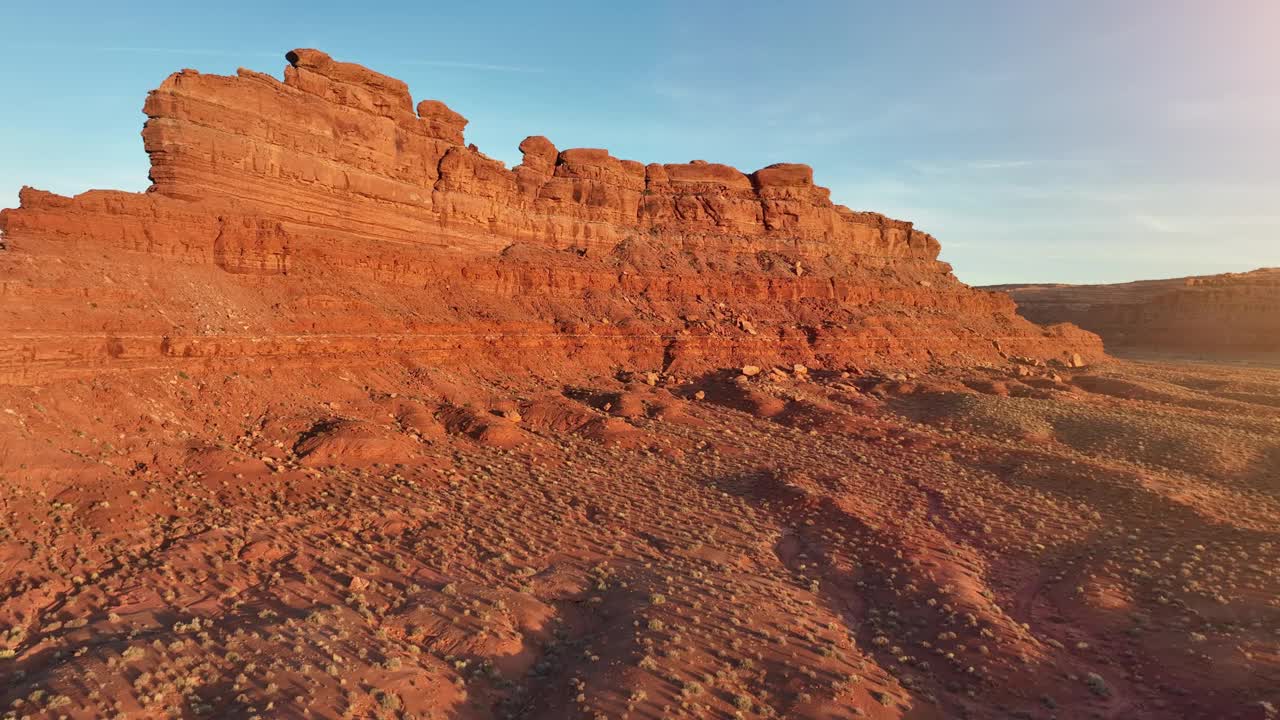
(326, 215)
(1228, 314)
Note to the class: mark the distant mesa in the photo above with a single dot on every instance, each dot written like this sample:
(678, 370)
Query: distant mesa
(1230, 313)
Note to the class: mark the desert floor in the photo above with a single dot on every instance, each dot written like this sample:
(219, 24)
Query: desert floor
(1023, 542)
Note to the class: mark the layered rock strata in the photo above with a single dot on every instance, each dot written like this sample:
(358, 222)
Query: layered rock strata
(328, 216)
(1231, 313)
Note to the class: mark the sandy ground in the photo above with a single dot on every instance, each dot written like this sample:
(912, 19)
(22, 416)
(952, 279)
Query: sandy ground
(1019, 542)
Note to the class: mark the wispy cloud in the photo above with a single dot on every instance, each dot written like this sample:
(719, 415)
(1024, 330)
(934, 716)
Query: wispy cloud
(963, 168)
(138, 49)
(462, 65)
(874, 186)
(999, 164)
(209, 52)
(1237, 112)
(1158, 223)
(185, 51)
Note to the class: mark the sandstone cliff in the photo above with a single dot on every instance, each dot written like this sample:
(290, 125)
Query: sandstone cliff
(1232, 313)
(328, 216)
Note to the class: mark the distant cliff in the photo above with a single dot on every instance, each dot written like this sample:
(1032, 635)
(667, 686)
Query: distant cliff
(1231, 313)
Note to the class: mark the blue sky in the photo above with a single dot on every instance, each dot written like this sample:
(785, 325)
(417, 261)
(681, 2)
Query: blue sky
(1086, 141)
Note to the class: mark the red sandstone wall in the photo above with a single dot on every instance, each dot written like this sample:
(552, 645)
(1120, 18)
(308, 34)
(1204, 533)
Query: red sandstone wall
(338, 146)
(325, 218)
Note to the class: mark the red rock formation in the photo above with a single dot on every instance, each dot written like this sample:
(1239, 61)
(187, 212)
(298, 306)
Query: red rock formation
(337, 146)
(325, 215)
(1232, 313)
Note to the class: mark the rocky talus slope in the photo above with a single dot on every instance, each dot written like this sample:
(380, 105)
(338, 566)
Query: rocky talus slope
(1228, 314)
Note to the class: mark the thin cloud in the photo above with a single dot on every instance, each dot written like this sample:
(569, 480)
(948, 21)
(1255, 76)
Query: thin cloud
(1240, 112)
(1157, 223)
(460, 65)
(999, 164)
(146, 50)
(208, 52)
(184, 51)
(929, 168)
